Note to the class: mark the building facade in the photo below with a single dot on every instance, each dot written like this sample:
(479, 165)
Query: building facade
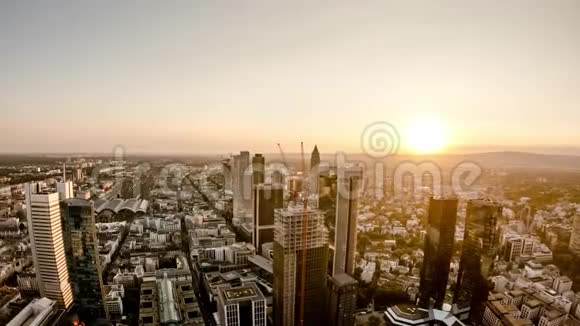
(438, 251)
(258, 169)
(40, 312)
(45, 229)
(82, 255)
(267, 198)
(348, 194)
(342, 295)
(478, 255)
(300, 266)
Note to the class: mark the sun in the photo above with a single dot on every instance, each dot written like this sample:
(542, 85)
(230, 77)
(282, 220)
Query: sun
(426, 136)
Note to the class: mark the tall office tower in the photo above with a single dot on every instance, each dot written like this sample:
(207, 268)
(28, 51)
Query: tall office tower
(347, 198)
(438, 251)
(314, 172)
(236, 189)
(258, 169)
(267, 198)
(300, 264)
(82, 254)
(45, 229)
(241, 306)
(342, 294)
(327, 189)
(246, 183)
(480, 244)
(575, 238)
(227, 172)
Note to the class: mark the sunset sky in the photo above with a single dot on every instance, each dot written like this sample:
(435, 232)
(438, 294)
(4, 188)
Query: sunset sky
(220, 76)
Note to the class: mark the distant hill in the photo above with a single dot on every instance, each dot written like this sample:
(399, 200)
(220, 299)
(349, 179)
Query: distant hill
(488, 160)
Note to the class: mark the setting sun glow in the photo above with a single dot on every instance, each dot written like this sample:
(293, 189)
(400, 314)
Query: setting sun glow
(426, 136)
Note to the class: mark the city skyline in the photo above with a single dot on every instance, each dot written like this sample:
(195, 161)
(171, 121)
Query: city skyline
(290, 163)
(210, 77)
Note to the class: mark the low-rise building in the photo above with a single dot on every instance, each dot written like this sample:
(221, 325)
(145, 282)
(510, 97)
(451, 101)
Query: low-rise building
(40, 312)
(243, 305)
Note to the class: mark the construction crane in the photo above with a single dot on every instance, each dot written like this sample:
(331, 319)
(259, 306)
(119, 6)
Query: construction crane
(282, 154)
(305, 195)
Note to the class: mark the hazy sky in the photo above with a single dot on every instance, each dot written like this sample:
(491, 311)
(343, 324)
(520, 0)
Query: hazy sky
(219, 76)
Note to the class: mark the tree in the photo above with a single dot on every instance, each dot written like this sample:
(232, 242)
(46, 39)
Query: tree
(357, 273)
(362, 244)
(374, 321)
(381, 246)
(387, 297)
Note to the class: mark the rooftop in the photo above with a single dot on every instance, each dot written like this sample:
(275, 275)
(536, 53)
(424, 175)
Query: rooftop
(239, 293)
(343, 279)
(37, 311)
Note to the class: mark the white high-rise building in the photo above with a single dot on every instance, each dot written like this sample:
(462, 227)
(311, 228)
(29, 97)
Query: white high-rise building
(45, 229)
(65, 190)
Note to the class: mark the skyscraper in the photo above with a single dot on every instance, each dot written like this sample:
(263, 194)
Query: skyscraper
(258, 169)
(438, 251)
(236, 186)
(45, 229)
(246, 180)
(342, 295)
(227, 172)
(477, 257)
(82, 253)
(299, 289)
(314, 171)
(327, 189)
(314, 158)
(348, 193)
(242, 180)
(267, 198)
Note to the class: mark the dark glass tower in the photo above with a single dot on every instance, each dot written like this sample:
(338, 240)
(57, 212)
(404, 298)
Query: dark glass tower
(259, 169)
(438, 251)
(84, 265)
(267, 198)
(478, 256)
(342, 294)
(327, 192)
